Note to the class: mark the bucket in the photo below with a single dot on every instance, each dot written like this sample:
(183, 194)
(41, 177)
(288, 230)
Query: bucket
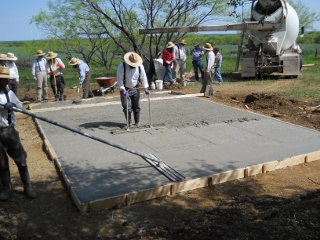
(159, 84)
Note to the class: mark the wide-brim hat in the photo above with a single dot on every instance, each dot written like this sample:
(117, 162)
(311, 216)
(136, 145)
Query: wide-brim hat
(133, 59)
(196, 44)
(51, 55)
(40, 53)
(73, 61)
(169, 45)
(182, 42)
(11, 57)
(208, 47)
(4, 72)
(3, 56)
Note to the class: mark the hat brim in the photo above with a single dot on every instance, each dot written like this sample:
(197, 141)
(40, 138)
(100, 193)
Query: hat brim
(12, 58)
(208, 49)
(132, 64)
(73, 63)
(40, 55)
(50, 57)
(6, 76)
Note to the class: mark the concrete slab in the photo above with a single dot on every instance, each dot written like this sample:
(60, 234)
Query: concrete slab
(201, 140)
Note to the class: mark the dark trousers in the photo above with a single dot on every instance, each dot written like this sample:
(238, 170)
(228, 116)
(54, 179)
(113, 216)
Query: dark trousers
(13, 86)
(197, 64)
(133, 101)
(57, 85)
(10, 144)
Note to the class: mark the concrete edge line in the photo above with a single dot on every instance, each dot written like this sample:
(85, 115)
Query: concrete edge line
(80, 106)
(173, 188)
(54, 158)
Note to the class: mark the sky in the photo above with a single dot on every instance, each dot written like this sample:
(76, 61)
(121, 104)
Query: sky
(16, 16)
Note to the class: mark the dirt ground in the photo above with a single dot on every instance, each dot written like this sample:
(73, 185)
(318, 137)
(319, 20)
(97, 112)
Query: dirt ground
(283, 204)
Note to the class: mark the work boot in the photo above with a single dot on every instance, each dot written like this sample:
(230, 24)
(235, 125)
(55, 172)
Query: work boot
(25, 178)
(6, 187)
(56, 96)
(136, 116)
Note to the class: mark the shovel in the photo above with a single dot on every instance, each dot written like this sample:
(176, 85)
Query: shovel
(78, 99)
(155, 162)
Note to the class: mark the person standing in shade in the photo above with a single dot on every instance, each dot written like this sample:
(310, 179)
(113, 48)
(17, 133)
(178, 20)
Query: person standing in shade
(179, 63)
(14, 73)
(197, 54)
(84, 76)
(217, 65)
(128, 74)
(208, 70)
(10, 143)
(39, 74)
(167, 57)
(54, 69)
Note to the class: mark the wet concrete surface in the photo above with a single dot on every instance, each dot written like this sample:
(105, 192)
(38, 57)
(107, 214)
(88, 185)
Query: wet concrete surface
(200, 138)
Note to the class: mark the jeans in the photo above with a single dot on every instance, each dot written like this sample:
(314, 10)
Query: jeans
(217, 74)
(168, 74)
(198, 64)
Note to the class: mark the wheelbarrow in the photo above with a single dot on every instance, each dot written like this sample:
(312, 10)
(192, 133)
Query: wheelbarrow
(106, 84)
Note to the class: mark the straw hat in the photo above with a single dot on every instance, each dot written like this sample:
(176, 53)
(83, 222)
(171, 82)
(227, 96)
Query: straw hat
(51, 55)
(170, 45)
(207, 47)
(40, 53)
(196, 44)
(133, 59)
(182, 42)
(4, 72)
(73, 61)
(11, 57)
(3, 56)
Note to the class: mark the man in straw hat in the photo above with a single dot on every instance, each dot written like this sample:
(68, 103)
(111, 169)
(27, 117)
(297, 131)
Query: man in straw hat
(14, 73)
(167, 57)
(209, 70)
(10, 144)
(54, 68)
(128, 74)
(179, 63)
(84, 76)
(197, 54)
(39, 74)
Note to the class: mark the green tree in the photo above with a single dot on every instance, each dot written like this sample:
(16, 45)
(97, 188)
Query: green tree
(306, 16)
(98, 29)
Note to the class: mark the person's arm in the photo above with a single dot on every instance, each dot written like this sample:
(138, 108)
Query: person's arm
(82, 73)
(60, 64)
(120, 73)
(143, 77)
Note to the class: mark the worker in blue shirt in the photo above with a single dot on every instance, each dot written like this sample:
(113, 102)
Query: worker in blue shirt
(84, 76)
(197, 54)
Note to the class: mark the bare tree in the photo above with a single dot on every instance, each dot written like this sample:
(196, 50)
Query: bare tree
(83, 25)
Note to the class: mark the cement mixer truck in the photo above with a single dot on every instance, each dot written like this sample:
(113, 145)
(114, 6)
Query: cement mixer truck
(272, 30)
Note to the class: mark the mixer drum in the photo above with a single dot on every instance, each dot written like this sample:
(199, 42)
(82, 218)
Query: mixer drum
(281, 39)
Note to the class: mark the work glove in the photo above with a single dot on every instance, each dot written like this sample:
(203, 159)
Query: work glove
(52, 73)
(10, 105)
(34, 78)
(146, 90)
(124, 93)
(59, 65)
(80, 85)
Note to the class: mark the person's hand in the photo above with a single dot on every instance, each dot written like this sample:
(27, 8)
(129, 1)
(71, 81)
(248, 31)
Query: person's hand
(34, 78)
(59, 65)
(79, 85)
(10, 105)
(168, 62)
(146, 90)
(52, 73)
(124, 93)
